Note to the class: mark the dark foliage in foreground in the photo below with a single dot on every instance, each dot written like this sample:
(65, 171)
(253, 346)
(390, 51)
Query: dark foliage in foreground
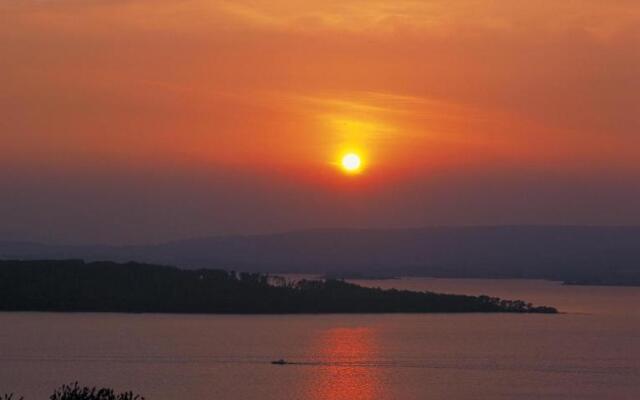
(73, 285)
(10, 397)
(75, 392)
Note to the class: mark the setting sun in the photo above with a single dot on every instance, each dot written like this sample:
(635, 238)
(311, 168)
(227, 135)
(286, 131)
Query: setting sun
(351, 163)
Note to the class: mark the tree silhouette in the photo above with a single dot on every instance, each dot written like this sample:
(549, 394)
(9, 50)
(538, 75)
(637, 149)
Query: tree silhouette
(74, 285)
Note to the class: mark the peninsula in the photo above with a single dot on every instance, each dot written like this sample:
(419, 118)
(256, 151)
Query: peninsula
(77, 286)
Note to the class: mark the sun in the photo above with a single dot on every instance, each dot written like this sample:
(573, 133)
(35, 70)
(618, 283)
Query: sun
(351, 163)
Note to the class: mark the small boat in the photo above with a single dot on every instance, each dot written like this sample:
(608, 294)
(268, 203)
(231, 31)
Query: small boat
(279, 362)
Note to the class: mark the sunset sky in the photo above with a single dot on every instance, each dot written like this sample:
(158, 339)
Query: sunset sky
(138, 121)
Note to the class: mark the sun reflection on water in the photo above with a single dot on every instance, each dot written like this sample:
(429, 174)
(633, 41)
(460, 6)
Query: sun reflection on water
(346, 369)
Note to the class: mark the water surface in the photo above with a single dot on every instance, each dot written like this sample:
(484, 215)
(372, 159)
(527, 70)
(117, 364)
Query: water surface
(590, 352)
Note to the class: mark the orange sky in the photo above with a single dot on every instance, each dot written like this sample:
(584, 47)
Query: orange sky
(277, 90)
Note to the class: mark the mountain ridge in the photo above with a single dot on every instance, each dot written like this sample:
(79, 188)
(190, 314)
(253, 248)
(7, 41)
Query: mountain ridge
(569, 253)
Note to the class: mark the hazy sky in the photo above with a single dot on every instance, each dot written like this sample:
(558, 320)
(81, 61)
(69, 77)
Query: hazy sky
(128, 121)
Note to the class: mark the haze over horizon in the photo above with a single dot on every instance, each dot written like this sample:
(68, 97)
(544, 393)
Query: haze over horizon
(139, 121)
(9, 241)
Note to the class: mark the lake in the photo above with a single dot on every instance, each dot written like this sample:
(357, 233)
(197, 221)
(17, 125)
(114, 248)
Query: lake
(591, 351)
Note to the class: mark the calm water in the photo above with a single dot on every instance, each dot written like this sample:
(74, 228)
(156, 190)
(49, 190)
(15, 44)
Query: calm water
(592, 352)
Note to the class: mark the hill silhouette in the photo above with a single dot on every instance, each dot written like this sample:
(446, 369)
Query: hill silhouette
(578, 254)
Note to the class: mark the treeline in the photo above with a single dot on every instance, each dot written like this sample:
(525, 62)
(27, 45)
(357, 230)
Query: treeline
(73, 285)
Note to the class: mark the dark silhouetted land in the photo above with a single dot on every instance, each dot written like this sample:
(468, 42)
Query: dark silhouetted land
(587, 254)
(73, 285)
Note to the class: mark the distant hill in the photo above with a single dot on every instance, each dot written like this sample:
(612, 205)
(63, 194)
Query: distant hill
(73, 285)
(567, 253)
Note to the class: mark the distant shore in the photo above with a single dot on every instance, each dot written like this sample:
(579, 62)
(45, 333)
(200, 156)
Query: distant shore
(359, 276)
(602, 282)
